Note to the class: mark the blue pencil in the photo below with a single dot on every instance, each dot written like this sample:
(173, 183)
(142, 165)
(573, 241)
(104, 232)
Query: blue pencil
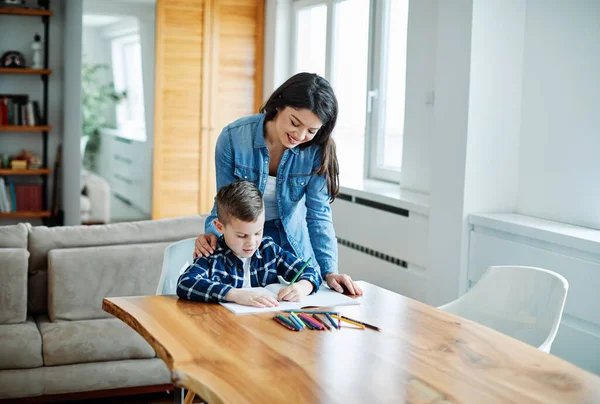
(296, 321)
(331, 320)
(288, 321)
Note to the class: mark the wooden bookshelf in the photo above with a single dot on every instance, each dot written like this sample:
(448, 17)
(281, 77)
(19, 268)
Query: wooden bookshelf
(39, 171)
(23, 128)
(7, 215)
(24, 70)
(33, 12)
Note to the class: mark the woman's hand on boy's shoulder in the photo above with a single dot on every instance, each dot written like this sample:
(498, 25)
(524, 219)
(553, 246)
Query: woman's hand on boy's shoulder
(343, 283)
(205, 245)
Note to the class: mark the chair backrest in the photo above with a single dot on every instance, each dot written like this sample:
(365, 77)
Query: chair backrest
(177, 257)
(523, 302)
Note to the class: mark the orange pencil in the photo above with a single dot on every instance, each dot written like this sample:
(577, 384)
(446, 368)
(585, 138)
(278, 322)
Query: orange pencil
(362, 327)
(363, 323)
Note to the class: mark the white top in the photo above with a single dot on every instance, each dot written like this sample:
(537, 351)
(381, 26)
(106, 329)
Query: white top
(270, 199)
(247, 283)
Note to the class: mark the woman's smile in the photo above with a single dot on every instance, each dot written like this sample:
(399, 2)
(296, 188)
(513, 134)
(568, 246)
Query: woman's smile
(292, 139)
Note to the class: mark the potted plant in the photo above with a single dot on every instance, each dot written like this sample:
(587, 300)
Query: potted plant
(96, 98)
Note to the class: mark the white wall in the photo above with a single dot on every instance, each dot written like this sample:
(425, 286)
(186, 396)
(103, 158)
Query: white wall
(560, 143)
(420, 72)
(17, 34)
(71, 104)
(448, 152)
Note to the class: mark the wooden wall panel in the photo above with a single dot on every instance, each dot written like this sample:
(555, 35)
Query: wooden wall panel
(236, 75)
(208, 73)
(176, 169)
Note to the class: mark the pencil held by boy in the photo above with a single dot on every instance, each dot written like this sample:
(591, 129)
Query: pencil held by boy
(243, 258)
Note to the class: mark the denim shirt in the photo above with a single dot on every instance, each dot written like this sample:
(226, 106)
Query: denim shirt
(302, 198)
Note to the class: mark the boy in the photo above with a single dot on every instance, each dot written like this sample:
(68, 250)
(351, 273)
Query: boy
(243, 258)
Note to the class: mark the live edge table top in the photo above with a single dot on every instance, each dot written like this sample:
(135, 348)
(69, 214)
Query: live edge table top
(421, 355)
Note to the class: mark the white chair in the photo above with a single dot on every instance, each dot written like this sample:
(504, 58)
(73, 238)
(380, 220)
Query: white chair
(95, 204)
(525, 303)
(178, 256)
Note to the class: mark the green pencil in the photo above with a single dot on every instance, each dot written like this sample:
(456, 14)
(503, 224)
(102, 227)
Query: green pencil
(300, 271)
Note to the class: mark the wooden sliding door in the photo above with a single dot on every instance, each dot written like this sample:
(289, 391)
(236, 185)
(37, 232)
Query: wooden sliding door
(208, 73)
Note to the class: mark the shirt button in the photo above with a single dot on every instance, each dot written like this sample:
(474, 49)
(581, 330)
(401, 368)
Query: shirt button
(245, 176)
(302, 183)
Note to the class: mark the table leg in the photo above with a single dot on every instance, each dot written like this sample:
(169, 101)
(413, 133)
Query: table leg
(189, 397)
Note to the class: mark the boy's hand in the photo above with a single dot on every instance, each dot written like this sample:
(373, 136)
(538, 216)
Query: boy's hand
(249, 297)
(295, 292)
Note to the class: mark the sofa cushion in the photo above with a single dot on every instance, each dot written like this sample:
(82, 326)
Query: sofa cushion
(14, 236)
(13, 285)
(18, 383)
(68, 342)
(20, 346)
(43, 239)
(105, 376)
(79, 278)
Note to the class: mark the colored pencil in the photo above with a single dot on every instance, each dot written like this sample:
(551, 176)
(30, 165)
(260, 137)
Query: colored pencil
(321, 321)
(363, 323)
(296, 321)
(332, 321)
(299, 320)
(283, 323)
(311, 311)
(350, 322)
(312, 322)
(288, 322)
(300, 271)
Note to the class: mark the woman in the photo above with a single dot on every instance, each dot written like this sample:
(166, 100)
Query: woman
(288, 152)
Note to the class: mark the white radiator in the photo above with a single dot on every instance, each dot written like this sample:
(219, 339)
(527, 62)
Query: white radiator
(382, 244)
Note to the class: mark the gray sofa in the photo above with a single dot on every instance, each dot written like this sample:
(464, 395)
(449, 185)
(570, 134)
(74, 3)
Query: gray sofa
(54, 336)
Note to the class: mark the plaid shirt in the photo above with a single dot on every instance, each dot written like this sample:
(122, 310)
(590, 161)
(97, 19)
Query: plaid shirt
(210, 278)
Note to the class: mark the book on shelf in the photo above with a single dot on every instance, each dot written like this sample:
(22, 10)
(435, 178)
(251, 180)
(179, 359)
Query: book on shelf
(20, 197)
(18, 110)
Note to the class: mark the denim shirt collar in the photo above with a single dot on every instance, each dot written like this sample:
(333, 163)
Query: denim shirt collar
(230, 257)
(259, 136)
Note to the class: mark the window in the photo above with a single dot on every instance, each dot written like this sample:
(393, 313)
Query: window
(311, 30)
(360, 47)
(127, 70)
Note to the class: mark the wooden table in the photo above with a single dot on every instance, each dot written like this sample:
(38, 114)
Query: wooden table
(422, 355)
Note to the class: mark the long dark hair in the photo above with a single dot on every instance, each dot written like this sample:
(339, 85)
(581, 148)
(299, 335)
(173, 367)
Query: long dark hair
(311, 91)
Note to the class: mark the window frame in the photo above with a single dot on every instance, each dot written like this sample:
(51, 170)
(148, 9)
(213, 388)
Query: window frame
(129, 128)
(376, 70)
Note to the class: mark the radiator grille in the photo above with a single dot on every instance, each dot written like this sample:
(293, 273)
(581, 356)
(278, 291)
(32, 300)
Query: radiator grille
(373, 253)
